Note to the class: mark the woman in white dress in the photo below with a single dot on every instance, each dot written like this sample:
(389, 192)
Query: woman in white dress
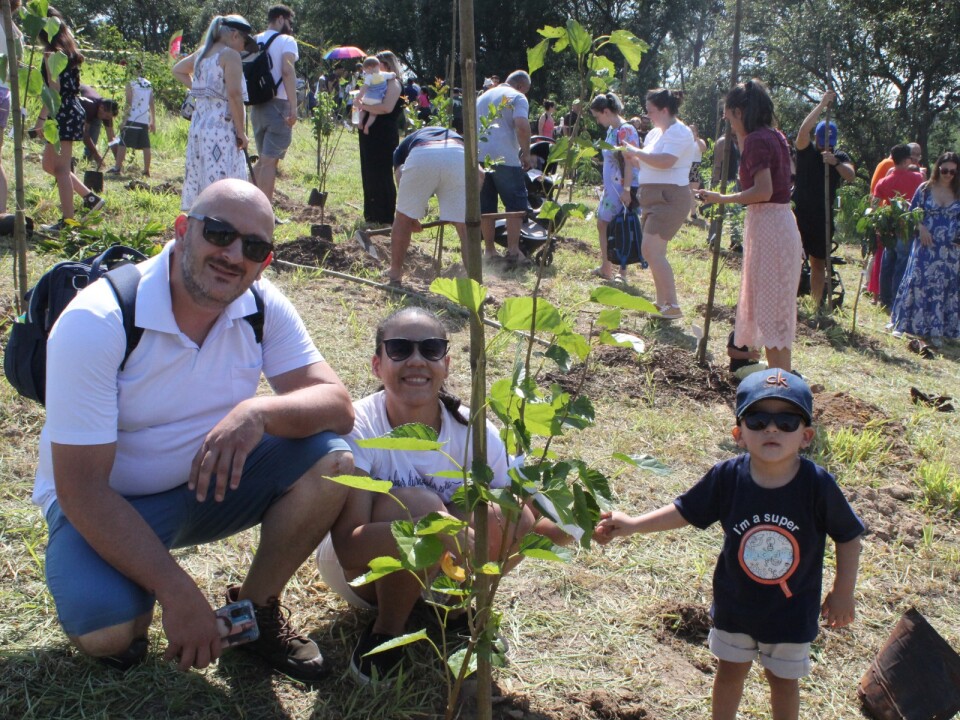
(214, 75)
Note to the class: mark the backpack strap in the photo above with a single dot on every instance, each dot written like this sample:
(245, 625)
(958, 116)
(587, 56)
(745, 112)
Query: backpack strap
(125, 279)
(264, 49)
(256, 319)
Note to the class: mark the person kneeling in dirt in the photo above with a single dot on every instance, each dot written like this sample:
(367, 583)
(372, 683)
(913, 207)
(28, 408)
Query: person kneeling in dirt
(410, 359)
(177, 448)
(428, 162)
(776, 510)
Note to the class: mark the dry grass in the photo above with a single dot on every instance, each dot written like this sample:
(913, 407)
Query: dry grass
(626, 618)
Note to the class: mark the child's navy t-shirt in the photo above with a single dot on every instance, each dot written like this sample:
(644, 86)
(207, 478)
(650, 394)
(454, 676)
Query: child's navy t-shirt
(767, 582)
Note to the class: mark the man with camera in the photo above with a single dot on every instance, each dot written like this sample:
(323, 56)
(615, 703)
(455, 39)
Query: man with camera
(174, 447)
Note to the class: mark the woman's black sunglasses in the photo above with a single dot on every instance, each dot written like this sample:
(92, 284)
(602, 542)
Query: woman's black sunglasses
(222, 234)
(431, 349)
(785, 422)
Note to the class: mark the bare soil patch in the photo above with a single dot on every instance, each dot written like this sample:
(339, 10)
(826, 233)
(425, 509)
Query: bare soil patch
(686, 622)
(723, 313)
(663, 373)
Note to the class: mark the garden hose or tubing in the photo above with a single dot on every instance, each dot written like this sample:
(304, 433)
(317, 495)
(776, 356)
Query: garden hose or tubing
(404, 291)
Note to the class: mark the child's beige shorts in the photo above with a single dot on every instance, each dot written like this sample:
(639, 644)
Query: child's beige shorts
(790, 661)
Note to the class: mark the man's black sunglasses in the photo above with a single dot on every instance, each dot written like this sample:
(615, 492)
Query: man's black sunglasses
(431, 349)
(222, 234)
(785, 421)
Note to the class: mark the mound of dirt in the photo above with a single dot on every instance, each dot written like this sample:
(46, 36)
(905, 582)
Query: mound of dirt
(720, 312)
(686, 622)
(834, 410)
(603, 705)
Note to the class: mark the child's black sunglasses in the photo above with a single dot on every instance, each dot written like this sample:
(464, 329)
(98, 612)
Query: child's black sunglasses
(222, 234)
(431, 349)
(785, 421)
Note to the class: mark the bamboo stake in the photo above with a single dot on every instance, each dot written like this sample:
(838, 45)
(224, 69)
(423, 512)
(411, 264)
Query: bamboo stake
(19, 220)
(716, 223)
(478, 371)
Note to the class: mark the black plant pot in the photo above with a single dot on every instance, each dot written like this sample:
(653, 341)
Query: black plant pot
(317, 198)
(324, 232)
(93, 179)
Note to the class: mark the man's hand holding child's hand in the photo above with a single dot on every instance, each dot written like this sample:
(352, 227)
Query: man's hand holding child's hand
(612, 524)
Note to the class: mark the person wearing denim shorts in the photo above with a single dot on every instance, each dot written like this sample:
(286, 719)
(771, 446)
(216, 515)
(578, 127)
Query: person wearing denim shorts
(506, 141)
(177, 448)
(273, 121)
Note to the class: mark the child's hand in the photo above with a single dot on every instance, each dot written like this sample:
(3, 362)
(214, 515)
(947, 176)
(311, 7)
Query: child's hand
(838, 609)
(612, 524)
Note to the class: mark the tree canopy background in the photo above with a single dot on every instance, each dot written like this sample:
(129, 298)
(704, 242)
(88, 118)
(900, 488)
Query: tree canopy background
(895, 64)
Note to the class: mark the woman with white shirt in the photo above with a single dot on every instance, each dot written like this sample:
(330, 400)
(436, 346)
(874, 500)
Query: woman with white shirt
(665, 196)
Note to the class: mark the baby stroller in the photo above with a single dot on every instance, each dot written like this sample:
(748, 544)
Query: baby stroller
(836, 282)
(535, 238)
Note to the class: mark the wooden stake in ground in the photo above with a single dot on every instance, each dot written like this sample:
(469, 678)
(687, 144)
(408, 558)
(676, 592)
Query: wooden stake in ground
(19, 221)
(716, 223)
(478, 372)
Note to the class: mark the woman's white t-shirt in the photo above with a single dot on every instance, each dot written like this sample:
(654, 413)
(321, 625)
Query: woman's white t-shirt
(676, 140)
(419, 469)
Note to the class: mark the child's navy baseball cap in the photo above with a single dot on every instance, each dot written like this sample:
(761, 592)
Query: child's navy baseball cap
(775, 383)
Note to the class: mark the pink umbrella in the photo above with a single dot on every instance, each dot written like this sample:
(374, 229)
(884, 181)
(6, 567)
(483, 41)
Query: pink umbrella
(344, 52)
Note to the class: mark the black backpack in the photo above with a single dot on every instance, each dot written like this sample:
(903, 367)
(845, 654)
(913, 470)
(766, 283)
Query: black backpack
(25, 357)
(258, 72)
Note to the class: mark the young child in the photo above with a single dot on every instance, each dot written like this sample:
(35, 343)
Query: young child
(776, 510)
(138, 122)
(374, 88)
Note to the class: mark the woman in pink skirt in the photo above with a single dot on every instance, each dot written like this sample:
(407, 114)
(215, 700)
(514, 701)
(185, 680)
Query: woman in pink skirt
(772, 253)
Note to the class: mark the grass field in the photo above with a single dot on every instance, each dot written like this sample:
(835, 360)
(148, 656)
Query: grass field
(618, 632)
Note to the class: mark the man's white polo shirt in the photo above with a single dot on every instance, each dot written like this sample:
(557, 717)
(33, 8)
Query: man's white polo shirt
(171, 392)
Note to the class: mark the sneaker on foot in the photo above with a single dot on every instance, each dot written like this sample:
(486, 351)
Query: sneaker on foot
(135, 654)
(378, 667)
(280, 645)
(113, 171)
(53, 228)
(93, 202)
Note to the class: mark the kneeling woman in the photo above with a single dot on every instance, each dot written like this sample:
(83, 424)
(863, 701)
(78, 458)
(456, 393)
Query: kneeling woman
(411, 361)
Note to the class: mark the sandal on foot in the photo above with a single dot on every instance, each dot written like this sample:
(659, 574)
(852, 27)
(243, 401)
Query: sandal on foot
(668, 312)
(598, 272)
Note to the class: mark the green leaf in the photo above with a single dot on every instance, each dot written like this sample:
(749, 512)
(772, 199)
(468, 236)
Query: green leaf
(623, 340)
(463, 291)
(51, 133)
(38, 7)
(580, 413)
(580, 39)
(630, 46)
(364, 482)
(437, 524)
(490, 568)
(609, 319)
(51, 27)
(647, 463)
(549, 210)
(417, 552)
(552, 32)
(379, 567)
(560, 356)
(398, 642)
(516, 313)
(3, 64)
(31, 80)
(617, 298)
(420, 431)
(33, 24)
(602, 65)
(50, 100)
(537, 55)
(456, 660)
(57, 63)
(391, 443)
(574, 343)
(551, 555)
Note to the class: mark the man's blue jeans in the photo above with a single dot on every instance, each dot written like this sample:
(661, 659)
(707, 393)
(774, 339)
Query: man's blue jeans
(892, 267)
